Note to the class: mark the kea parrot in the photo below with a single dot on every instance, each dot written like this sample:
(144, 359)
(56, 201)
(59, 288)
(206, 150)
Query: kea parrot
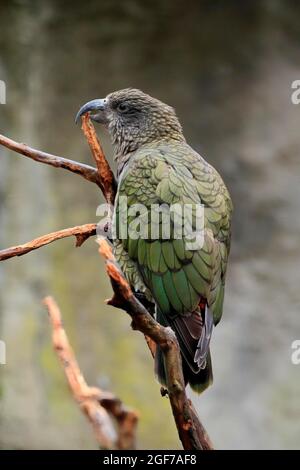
(157, 168)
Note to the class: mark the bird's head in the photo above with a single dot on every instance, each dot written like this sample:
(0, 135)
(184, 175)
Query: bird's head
(133, 119)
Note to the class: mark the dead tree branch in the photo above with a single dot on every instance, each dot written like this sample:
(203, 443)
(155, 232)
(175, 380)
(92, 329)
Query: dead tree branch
(98, 406)
(107, 180)
(192, 434)
(81, 232)
(86, 171)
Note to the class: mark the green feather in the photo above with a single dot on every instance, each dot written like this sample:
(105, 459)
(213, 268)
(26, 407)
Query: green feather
(203, 189)
(207, 258)
(201, 267)
(171, 292)
(162, 265)
(159, 293)
(161, 171)
(155, 254)
(194, 297)
(132, 247)
(130, 190)
(212, 216)
(148, 255)
(168, 254)
(177, 264)
(179, 249)
(141, 251)
(163, 191)
(182, 288)
(198, 283)
(217, 306)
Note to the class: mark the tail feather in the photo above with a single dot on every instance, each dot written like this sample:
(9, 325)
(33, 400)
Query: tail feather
(193, 335)
(203, 379)
(203, 343)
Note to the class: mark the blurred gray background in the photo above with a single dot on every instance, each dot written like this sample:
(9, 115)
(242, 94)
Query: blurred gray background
(227, 68)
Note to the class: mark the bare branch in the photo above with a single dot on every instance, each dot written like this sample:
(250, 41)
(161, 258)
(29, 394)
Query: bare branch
(81, 232)
(86, 171)
(191, 432)
(99, 406)
(107, 180)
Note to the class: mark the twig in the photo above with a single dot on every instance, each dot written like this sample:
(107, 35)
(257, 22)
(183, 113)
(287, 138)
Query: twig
(191, 432)
(86, 171)
(81, 232)
(106, 177)
(99, 406)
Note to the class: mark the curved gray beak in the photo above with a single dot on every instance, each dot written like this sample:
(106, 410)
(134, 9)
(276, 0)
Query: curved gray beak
(94, 105)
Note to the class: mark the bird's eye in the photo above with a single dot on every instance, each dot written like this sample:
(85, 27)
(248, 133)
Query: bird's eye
(123, 107)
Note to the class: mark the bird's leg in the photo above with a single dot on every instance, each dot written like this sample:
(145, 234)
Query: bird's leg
(150, 306)
(164, 392)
